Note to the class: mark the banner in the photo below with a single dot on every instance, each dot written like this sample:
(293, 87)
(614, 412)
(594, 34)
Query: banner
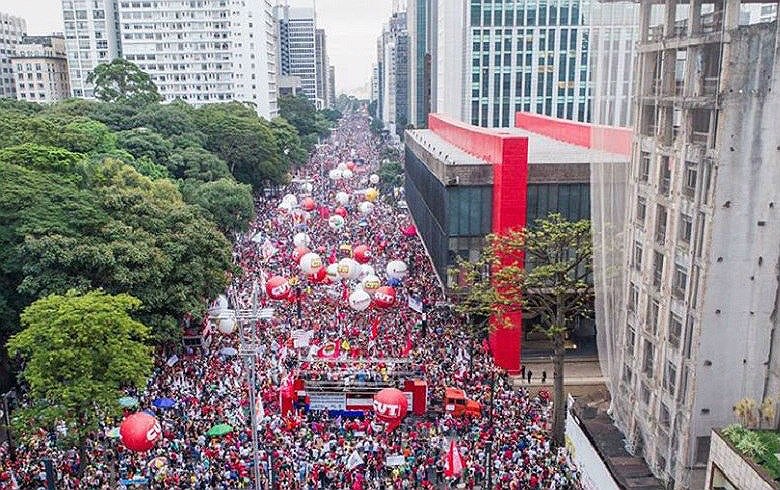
(302, 337)
(415, 304)
(395, 460)
(327, 401)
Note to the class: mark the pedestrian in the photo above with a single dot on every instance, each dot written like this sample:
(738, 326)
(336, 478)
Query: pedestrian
(529, 373)
(522, 372)
(544, 377)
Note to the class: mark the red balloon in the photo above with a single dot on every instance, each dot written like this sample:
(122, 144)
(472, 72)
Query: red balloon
(319, 276)
(277, 287)
(384, 297)
(300, 252)
(341, 212)
(391, 406)
(140, 431)
(362, 254)
(308, 204)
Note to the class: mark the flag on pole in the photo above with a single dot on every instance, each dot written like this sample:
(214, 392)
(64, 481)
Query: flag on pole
(453, 464)
(354, 460)
(375, 328)
(259, 409)
(408, 347)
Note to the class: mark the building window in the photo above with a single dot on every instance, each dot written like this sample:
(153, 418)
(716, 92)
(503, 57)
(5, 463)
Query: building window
(633, 297)
(665, 176)
(660, 225)
(637, 257)
(630, 339)
(670, 377)
(644, 166)
(664, 417)
(679, 281)
(686, 228)
(641, 210)
(628, 374)
(651, 315)
(647, 359)
(689, 184)
(658, 268)
(675, 330)
(645, 394)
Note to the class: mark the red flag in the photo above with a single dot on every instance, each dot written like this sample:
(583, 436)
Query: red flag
(375, 328)
(408, 347)
(453, 464)
(330, 350)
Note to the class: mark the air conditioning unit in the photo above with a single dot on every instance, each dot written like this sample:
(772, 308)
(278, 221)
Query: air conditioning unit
(453, 180)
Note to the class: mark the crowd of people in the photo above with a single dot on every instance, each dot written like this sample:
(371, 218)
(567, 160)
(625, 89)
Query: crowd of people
(312, 449)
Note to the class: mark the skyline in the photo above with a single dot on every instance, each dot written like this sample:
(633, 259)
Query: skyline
(351, 26)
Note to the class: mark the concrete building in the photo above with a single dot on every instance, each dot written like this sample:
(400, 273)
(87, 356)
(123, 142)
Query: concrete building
(40, 68)
(204, 52)
(494, 59)
(463, 182)
(331, 86)
(614, 31)
(297, 54)
(282, 21)
(92, 37)
(401, 80)
(288, 85)
(392, 56)
(688, 328)
(420, 30)
(321, 55)
(11, 31)
(728, 469)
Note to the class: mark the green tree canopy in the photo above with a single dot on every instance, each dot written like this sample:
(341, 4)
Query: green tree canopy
(227, 202)
(123, 82)
(79, 351)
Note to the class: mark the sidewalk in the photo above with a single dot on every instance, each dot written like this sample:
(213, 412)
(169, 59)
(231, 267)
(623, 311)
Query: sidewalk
(580, 376)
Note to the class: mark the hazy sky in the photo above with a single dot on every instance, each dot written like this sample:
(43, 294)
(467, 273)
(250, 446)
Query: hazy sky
(352, 27)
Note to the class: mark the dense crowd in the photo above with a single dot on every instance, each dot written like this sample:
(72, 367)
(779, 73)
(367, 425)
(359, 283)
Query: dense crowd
(311, 449)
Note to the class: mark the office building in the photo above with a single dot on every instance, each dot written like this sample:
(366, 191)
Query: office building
(321, 55)
(494, 59)
(297, 37)
(374, 83)
(92, 37)
(689, 325)
(401, 72)
(40, 69)
(11, 31)
(420, 30)
(393, 71)
(331, 86)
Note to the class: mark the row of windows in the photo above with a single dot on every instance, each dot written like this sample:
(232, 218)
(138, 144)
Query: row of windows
(531, 15)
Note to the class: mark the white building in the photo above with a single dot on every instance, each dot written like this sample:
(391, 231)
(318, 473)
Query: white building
(11, 31)
(91, 38)
(40, 68)
(392, 60)
(297, 52)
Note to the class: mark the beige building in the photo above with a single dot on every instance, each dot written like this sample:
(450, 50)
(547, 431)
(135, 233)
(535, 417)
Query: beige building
(40, 68)
(11, 31)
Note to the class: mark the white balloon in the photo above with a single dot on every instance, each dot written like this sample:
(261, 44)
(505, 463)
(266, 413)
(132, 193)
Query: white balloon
(359, 300)
(342, 198)
(334, 174)
(366, 270)
(222, 302)
(226, 324)
(342, 166)
(301, 240)
(397, 269)
(348, 268)
(370, 284)
(374, 179)
(332, 271)
(290, 199)
(336, 222)
(285, 207)
(307, 187)
(347, 174)
(366, 207)
(311, 263)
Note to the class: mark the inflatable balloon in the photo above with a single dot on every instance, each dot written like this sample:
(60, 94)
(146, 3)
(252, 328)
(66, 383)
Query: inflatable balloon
(319, 275)
(341, 212)
(332, 271)
(277, 287)
(362, 254)
(396, 269)
(301, 240)
(226, 324)
(371, 284)
(371, 194)
(365, 207)
(391, 406)
(348, 269)
(347, 174)
(307, 187)
(342, 166)
(374, 179)
(284, 208)
(384, 297)
(300, 252)
(334, 174)
(336, 222)
(290, 199)
(308, 204)
(311, 263)
(366, 270)
(342, 198)
(359, 300)
(140, 431)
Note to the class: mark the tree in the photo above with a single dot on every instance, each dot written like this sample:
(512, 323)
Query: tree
(143, 142)
(79, 352)
(196, 163)
(123, 82)
(541, 270)
(289, 145)
(228, 203)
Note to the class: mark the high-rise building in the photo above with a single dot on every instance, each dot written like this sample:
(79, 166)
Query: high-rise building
(321, 55)
(11, 31)
(614, 29)
(393, 56)
(92, 37)
(374, 83)
(689, 328)
(402, 79)
(419, 28)
(40, 67)
(493, 59)
(297, 36)
(331, 86)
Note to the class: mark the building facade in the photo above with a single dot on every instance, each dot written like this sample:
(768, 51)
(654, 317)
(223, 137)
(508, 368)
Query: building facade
(301, 46)
(418, 26)
(92, 37)
(40, 68)
(401, 80)
(393, 71)
(11, 31)
(492, 59)
(321, 55)
(696, 309)
(331, 86)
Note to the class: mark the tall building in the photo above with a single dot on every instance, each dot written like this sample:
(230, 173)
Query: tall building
(374, 83)
(691, 325)
(92, 37)
(494, 59)
(40, 68)
(392, 56)
(614, 30)
(419, 28)
(321, 55)
(331, 86)
(402, 79)
(297, 52)
(11, 31)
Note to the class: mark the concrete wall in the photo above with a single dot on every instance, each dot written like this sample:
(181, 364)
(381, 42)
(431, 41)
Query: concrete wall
(743, 474)
(605, 138)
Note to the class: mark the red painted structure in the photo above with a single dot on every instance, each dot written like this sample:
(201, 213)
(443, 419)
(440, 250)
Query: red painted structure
(605, 138)
(508, 155)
